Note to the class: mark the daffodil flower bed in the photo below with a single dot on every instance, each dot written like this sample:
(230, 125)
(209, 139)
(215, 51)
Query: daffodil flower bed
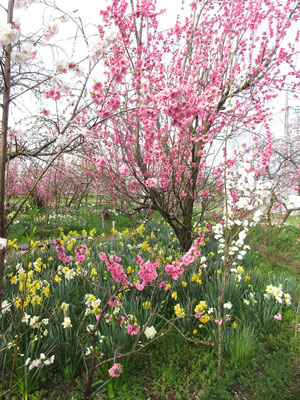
(86, 304)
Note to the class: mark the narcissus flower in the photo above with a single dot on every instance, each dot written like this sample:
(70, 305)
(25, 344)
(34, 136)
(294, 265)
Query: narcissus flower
(67, 322)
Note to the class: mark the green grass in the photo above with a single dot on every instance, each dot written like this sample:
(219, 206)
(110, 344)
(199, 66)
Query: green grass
(173, 368)
(293, 220)
(75, 220)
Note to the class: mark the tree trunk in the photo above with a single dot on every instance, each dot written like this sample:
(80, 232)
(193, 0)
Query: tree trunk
(3, 148)
(184, 236)
(184, 230)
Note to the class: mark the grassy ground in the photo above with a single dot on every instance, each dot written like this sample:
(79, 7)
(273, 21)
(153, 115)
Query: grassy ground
(75, 220)
(175, 369)
(293, 220)
(172, 368)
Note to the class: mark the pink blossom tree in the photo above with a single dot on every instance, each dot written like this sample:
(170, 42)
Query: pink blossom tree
(215, 70)
(44, 93)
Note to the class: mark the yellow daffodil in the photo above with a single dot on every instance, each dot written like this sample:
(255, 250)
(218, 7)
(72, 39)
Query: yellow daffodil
(174, 295)
(179, 311)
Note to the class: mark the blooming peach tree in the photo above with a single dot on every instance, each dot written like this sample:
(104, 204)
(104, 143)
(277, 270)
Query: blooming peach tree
(55, 82)
(218, 67)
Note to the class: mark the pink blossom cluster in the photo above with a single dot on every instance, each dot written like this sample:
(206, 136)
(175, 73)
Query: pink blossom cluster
(116, 270)
(133, 330)
(52, 94)
(114, 101)
(61, 255)
(124, 170)
(100, 161)
(278, 317)
(176, 269)
(164, 285)
(98, 95)
(25, 54)
(79, 252)
(263, 154)
(220, 321)
(119, 67)
(151, 182)
(147, 273)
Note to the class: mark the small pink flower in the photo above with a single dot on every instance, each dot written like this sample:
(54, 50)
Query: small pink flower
(115, 370)
(72, 65)
(197, 315)
(133, 329)
(98, 316)
(102, 256)
(52, 94)
(227, 317)
(139, 286)
(219, 321)
(79, 257)
(278, 317)
(97, 87)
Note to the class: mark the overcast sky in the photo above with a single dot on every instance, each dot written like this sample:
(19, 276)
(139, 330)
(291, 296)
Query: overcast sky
(31, 19)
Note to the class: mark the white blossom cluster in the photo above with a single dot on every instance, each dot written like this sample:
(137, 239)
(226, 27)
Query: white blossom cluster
(99, 48)
(252, 194)
(237, 247)
(3, 243)
(5, 306)
(293, 201)
(51, 29)
(8, 34)
(23, 3)
(150, 332)
(60, 217)
(25, 54)
(41, 361)
(65, 66)
(70, 159)
(244, 193)
(60, 84)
